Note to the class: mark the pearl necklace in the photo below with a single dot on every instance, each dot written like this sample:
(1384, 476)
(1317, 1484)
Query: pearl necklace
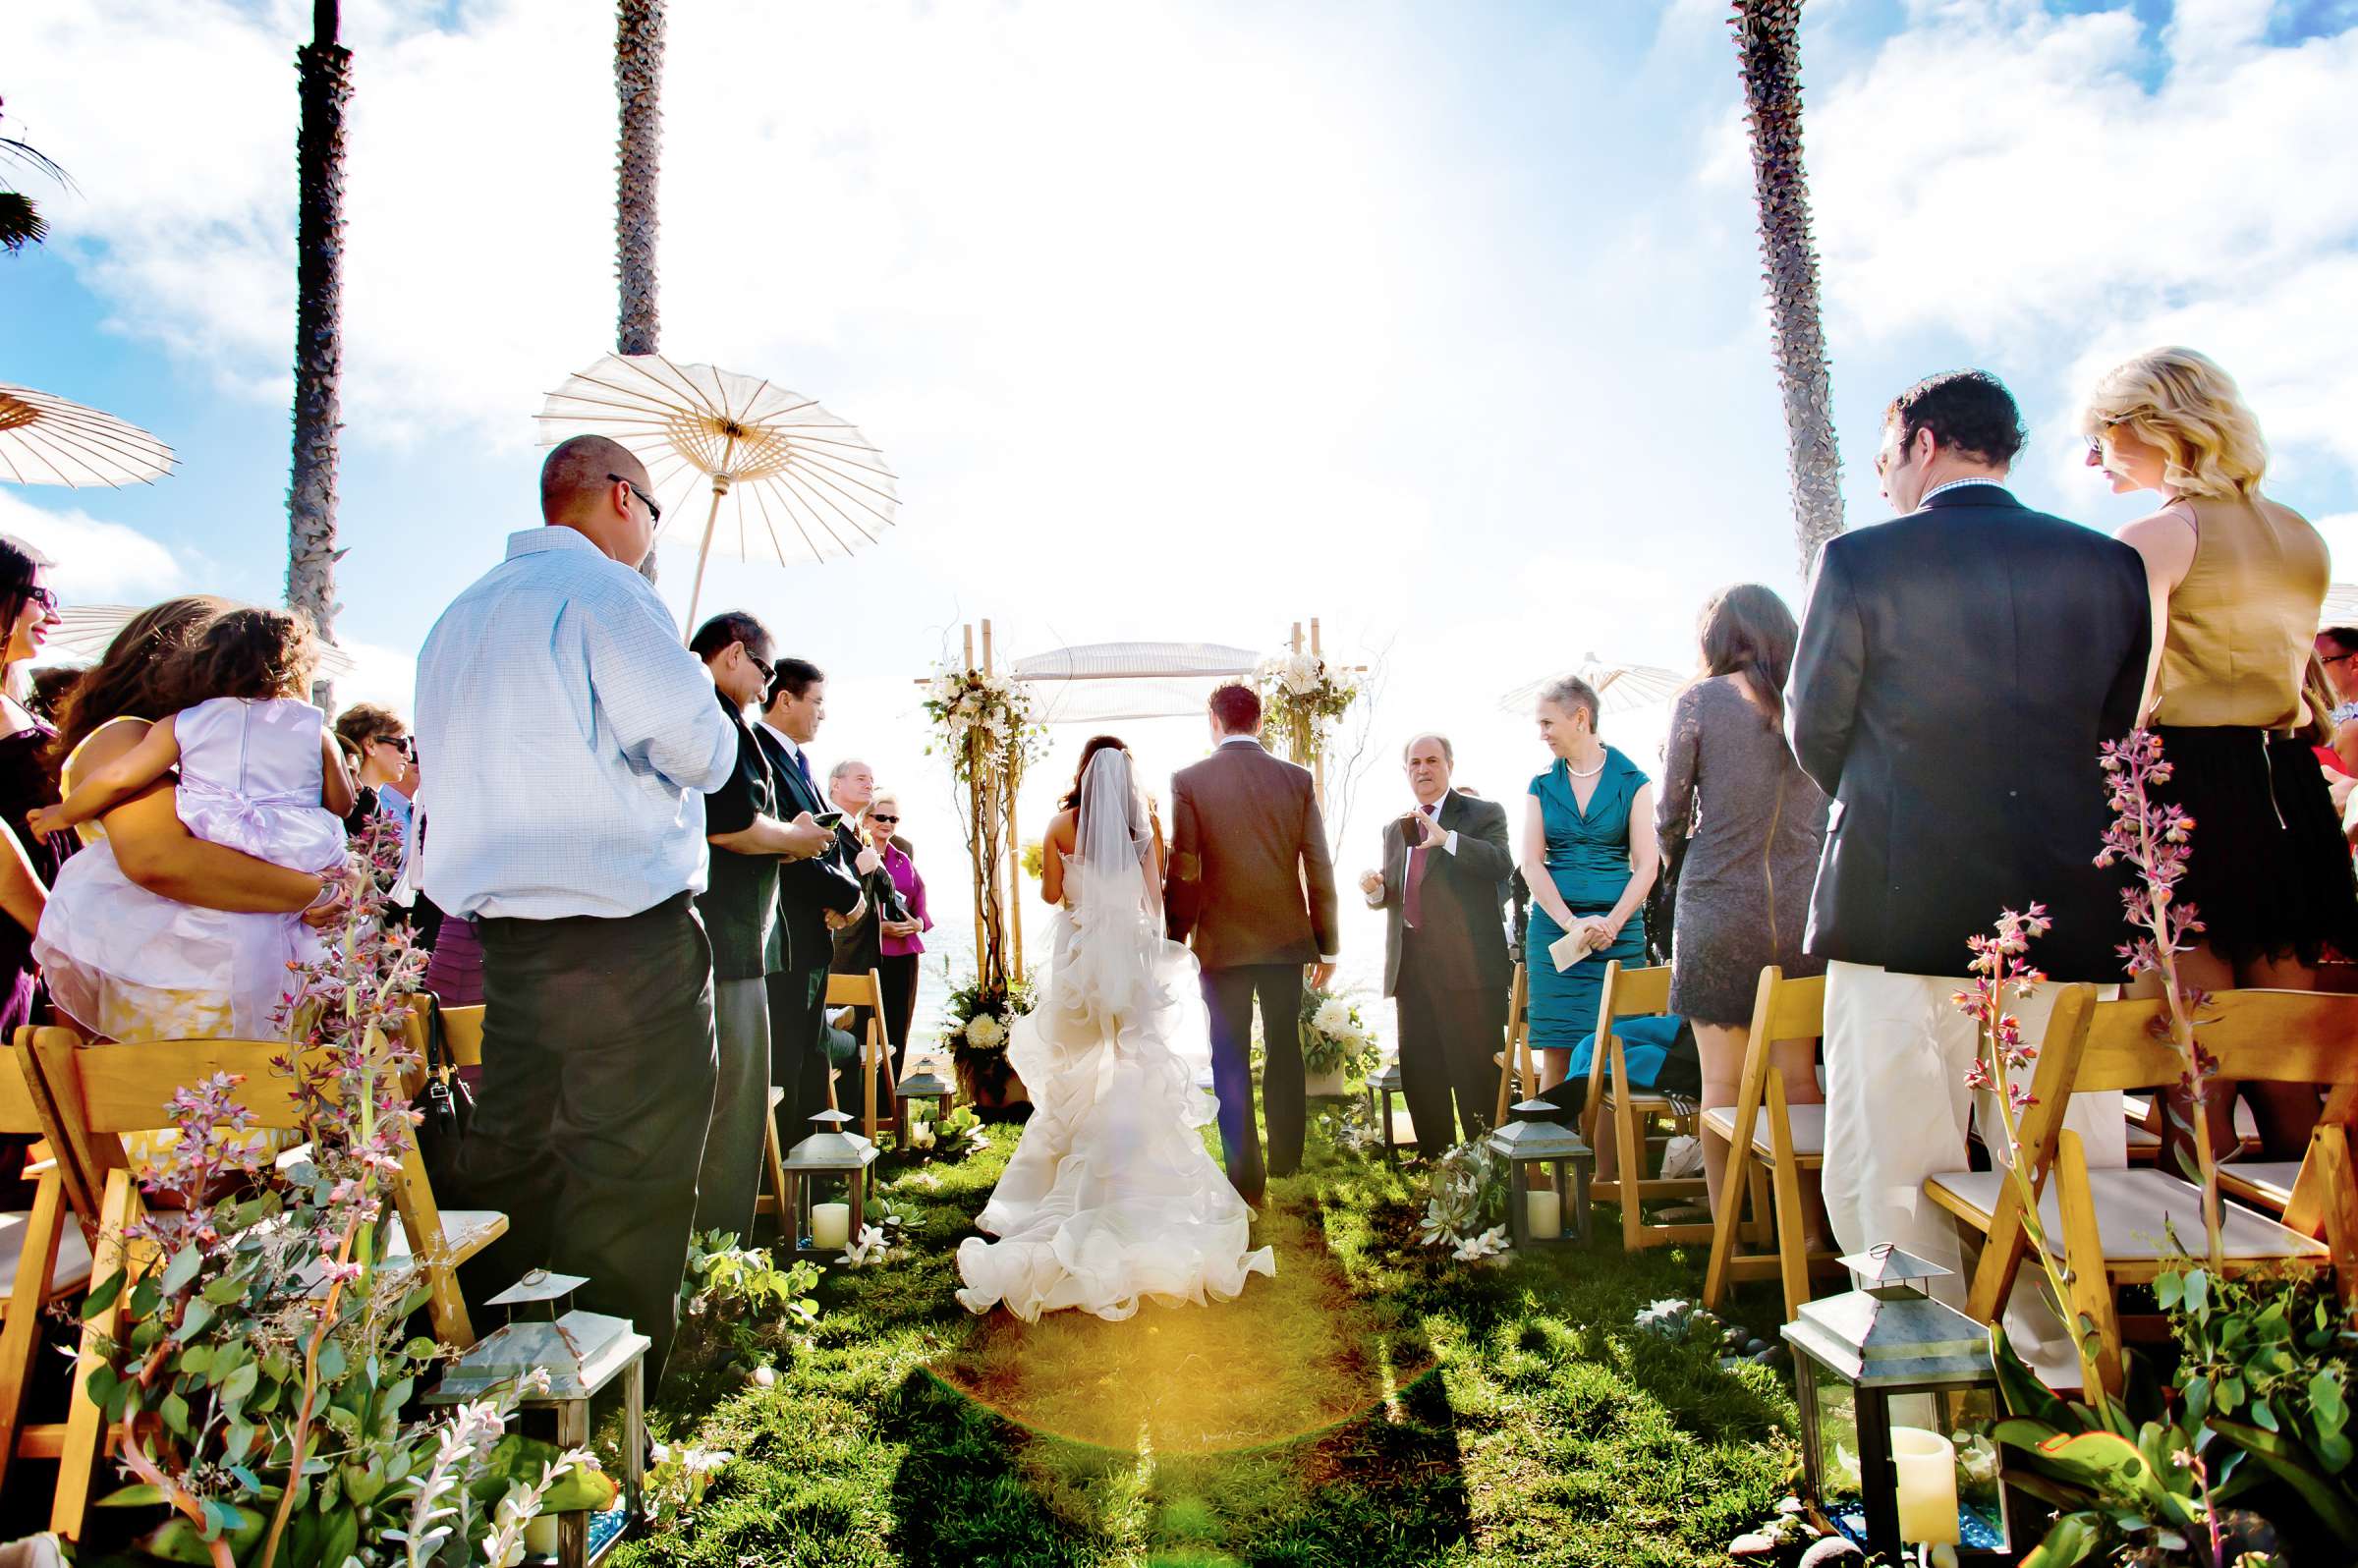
(1591, 773)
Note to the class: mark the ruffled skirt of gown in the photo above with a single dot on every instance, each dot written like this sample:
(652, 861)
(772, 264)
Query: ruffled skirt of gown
(1110, 1198)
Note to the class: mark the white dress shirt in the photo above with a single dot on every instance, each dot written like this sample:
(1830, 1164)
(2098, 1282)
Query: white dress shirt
(570, 739)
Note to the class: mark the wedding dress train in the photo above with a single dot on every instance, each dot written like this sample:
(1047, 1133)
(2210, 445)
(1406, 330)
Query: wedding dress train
(1112, 1197)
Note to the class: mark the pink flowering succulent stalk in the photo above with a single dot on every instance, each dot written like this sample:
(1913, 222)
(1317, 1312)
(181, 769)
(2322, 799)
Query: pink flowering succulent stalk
(2154, 838)
(2001, 969)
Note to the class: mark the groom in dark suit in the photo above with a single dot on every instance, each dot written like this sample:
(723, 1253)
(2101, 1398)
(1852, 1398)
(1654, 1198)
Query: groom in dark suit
(1250, 883)
(1445, 963)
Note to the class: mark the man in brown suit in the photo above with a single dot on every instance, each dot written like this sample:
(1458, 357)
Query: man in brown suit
(1251, 882)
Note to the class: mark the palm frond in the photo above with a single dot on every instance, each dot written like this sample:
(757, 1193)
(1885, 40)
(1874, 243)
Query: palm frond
(20, 222)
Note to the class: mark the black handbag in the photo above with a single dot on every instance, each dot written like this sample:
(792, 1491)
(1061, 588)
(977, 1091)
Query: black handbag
(444, 1104)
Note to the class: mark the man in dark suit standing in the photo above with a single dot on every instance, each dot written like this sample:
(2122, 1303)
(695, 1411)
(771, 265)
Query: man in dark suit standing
(1249, 882)
(750, 839)
(1957, 671)
(1445, 963)
(810, 893)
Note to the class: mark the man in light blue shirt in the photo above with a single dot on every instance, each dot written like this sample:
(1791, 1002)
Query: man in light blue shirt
(571, 739)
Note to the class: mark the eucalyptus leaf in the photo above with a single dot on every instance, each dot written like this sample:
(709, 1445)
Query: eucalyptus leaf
(102, 1296)
(180, 1269)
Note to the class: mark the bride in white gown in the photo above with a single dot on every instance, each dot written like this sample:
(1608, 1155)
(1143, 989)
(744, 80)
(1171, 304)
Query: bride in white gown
(1110, 1198)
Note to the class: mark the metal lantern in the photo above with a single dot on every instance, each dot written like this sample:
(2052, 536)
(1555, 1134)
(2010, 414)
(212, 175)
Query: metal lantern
(1383, 1085)
(580, 1354)
(1548, 1169)
(1897, 1393)
(828, 1158)
(919, 1098)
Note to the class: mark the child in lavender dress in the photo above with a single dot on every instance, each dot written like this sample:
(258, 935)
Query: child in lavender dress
(259, 772)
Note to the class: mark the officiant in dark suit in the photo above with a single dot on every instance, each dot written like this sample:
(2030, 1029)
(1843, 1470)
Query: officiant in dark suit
(809, 893)
(1445, 959)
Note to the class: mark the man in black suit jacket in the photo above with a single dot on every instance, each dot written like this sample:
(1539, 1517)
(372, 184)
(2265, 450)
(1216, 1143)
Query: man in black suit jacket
(1445, 963)
(1958, 670)
(810, 892)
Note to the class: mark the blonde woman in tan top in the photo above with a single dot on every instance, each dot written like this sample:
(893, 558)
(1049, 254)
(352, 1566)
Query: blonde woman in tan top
(2236, 581)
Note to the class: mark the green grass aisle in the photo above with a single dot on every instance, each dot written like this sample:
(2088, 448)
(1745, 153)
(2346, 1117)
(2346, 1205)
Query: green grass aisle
(1375, 1404)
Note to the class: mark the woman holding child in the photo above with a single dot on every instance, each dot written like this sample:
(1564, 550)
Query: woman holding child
(134, 940)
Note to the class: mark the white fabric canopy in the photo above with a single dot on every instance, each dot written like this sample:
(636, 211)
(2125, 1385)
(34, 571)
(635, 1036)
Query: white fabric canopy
(1102, 682)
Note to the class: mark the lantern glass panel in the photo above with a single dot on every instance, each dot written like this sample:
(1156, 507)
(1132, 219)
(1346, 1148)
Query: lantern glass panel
(1967, 1416)
(1834, 1428)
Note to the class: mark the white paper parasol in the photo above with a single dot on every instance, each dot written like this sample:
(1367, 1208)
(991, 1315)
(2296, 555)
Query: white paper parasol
(47, 440)
(1621, 687)
(2340, 607)
(88, 629)
(804, 481)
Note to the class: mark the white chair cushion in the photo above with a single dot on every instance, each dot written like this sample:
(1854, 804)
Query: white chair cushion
(73, 1270)
(2266, 1183)
(2130, 1208)
(1808, 1123)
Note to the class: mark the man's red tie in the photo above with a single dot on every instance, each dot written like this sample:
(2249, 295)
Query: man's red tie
(1413, 908)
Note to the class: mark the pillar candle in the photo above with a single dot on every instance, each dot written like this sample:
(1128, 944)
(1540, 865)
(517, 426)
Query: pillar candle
(1927, 1464)
(1543, 1214)
(830, 1225)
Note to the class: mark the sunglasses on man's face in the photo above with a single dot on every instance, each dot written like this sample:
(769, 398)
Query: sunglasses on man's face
(654, 513)
(768, 670)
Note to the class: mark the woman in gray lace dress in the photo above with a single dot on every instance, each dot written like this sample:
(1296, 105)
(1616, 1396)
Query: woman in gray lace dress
(1752, 825)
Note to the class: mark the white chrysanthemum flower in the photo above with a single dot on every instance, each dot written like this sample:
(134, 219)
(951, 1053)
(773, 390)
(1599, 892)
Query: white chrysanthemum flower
(983, 1031)
(1333, 1019)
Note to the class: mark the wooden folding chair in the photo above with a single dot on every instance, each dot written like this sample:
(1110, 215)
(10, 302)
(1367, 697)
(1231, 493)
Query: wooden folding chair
(875, 1054)
(1515, 1071)
(1644, 1122)
(2114, 1225)
(1765, 1133)
(98, 1095)
(43, 1253)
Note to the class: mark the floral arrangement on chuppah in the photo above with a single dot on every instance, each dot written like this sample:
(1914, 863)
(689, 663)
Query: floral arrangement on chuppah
(1337, 1045)
(1303, 699)
(985, 725)
(975, 1028)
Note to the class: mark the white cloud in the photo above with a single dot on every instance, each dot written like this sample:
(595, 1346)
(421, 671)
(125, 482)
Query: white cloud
(2022, 178)
(96, 562)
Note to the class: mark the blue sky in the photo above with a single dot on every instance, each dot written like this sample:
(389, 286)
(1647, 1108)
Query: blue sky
(1178, 321)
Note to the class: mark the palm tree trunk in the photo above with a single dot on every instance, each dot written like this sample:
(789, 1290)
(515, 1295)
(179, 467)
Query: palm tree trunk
(639, 82)
(325, 68)
(1768, 58)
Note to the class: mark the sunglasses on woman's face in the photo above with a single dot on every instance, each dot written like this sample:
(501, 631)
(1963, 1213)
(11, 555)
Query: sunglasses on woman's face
(879, 816)
(400, 743)
(46, 598)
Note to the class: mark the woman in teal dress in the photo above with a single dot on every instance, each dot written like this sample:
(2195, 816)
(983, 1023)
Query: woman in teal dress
(1588, 855)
